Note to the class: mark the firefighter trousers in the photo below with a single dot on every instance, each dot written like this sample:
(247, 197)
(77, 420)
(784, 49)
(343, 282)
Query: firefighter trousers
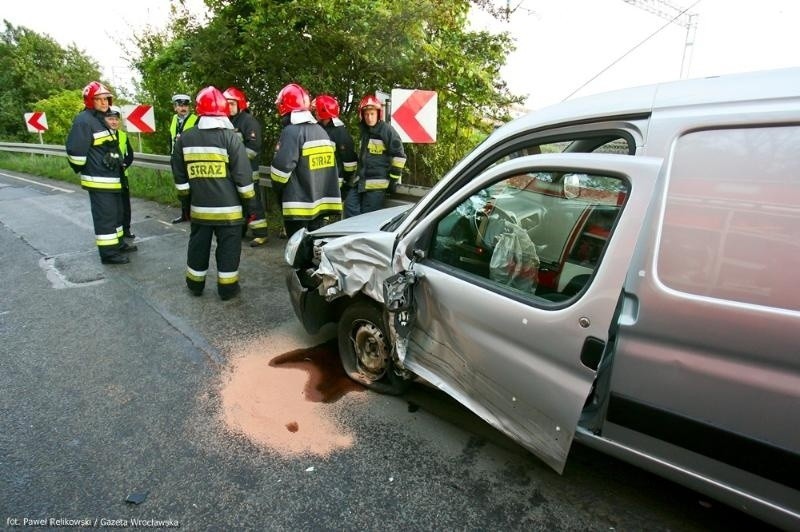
(257, 219)
(107, 221)
(229, 249)
(356, 202)
(126, 206)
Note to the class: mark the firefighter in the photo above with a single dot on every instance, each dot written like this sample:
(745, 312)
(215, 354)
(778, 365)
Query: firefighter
(248, 128)
(183, 120)
(380, 161)
(210, 165)
(303, 170)
(113, 118)
(326, 109)
(93, 152)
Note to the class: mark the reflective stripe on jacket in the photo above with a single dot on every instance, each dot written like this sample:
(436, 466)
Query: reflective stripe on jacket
(304, 172)
(93, 151)
(212, 165)
(381, 157)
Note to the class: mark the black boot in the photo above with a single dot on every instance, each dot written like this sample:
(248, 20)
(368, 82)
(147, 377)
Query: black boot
(229, 292)
(115, 259)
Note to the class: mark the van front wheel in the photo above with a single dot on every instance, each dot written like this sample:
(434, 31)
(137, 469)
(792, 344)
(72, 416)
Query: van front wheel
(365, 350)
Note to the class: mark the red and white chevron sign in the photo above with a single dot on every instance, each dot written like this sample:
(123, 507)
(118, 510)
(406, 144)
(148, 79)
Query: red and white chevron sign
(36, 122)
(414, 115)
(139, 118)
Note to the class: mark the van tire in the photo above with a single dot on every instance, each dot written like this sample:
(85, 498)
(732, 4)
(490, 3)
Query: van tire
(365, 350)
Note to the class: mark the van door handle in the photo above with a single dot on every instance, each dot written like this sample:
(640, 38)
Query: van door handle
(629, 314)
(592, 352)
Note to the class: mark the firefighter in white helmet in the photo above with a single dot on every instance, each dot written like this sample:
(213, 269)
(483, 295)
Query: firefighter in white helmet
(183, 120)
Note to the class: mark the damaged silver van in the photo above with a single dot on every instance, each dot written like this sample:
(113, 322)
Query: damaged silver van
(621, 269)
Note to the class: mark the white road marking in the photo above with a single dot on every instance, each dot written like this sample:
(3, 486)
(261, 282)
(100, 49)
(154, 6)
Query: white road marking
(36, 183)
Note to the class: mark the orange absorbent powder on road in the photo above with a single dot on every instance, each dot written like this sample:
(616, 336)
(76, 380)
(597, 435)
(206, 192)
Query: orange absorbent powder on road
(284, 400)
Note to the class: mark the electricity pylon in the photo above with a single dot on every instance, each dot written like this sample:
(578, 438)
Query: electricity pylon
(676, 15)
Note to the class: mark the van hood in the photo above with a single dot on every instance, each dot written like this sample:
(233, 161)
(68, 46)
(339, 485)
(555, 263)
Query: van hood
(363, 223)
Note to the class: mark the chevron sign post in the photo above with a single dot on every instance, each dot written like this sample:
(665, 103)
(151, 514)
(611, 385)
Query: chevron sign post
(36, 122)
(139, 118)
(414, 115)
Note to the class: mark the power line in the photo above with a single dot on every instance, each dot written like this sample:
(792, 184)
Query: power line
(626, 54)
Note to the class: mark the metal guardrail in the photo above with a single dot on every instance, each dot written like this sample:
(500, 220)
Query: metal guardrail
(404, 194)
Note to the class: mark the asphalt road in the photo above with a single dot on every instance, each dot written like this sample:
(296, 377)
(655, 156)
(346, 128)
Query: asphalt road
(110, 383)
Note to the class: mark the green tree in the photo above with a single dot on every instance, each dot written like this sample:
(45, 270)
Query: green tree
(34, 67)
(343, 48)
(60, 109)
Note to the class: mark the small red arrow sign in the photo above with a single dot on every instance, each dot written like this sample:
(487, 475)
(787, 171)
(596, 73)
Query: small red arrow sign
(407, 115)
(140, 119)
(36, 121)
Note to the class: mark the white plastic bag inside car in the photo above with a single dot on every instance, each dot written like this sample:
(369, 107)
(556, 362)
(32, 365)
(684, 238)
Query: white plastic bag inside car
(514, 261)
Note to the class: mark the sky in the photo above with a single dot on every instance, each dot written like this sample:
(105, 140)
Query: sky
(565, 48)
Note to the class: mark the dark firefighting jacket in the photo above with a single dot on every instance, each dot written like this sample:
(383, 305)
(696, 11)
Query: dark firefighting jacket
(304, 170)
(93, 151)
(211, 166)
(381, 157)
(249, 130)
(346, 158)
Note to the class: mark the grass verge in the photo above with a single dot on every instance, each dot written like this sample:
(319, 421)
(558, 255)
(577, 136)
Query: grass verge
(145, 183)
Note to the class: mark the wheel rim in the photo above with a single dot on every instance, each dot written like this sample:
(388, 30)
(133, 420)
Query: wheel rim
(369, 346)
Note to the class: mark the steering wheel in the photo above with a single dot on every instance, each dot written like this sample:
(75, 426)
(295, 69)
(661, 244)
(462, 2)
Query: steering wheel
(481, 221)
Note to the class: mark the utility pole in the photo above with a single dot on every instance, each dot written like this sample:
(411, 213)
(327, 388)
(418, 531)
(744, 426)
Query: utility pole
(678, 16)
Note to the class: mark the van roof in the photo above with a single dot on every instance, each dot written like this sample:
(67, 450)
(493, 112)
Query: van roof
(767, 84)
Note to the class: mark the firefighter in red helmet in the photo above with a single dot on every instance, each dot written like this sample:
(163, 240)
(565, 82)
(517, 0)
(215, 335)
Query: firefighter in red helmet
(248, 128)
(303, 170)
(326, 109)
(93, 151)
(215, 159)
(381, 160)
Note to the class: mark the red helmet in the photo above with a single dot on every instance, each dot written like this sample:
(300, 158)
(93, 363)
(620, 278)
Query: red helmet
(95, 88)
(235, 94)
(211, 102)
(292, 97)
(370, 100)
(326, 107)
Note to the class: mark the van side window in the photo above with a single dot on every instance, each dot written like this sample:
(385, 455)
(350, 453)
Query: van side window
(731, 226)
(594, 143)
(537, 235)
